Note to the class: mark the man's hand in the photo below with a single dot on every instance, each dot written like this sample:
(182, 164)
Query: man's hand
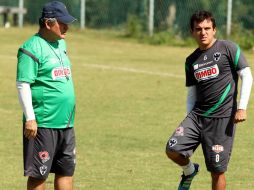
(240, 116)
(30, 130)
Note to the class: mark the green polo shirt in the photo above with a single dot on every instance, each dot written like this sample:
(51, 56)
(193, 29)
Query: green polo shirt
(50, 79)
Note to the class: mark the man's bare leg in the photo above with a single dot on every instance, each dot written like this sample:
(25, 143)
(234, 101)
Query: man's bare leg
(63, 182)
(178, 158)
(35, 184)
(218, 181)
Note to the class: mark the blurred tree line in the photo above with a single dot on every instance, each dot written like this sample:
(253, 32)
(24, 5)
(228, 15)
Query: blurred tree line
(169, 15)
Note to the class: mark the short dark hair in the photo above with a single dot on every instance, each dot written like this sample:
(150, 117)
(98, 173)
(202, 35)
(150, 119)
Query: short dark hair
(200, 16)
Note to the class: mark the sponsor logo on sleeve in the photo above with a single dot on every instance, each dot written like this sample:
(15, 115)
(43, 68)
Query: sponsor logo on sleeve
(207, 73)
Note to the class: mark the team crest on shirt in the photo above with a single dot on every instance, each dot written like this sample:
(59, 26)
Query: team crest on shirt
(60, 72)
(205, 57)
(216, 56)
(207, 73)
(44, 156)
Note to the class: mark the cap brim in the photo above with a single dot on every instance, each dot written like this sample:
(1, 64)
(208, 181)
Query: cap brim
(68, 19)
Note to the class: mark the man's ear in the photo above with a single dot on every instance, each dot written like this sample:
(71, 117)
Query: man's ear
(191, 32)
(214, 31)
(49, 24)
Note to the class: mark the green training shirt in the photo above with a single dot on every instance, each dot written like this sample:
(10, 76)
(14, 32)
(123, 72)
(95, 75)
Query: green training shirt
(50, 80)
(214, 73)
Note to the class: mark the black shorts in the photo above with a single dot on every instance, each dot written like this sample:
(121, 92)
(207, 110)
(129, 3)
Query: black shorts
(216, 135)
(51, 151)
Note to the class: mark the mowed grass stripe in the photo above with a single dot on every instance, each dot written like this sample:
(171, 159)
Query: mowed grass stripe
(132, 70)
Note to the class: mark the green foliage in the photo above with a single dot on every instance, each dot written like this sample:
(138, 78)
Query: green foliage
(185, 8)
(165, 38)
(112, 13)
(162, 38)
(161, 14)
(243, 13)
(245, 38)
(134, 27)
(9, 3)
(171, 17)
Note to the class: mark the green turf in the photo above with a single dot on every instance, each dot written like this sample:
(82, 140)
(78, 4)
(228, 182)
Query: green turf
(130, 98)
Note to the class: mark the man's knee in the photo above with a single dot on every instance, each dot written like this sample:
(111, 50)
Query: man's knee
(35, 180)
(63, 182)
(217, 175)
(35, 183)
(172, 155)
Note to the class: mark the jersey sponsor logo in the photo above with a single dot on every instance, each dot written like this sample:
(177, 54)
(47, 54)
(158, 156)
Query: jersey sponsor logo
(43, 169)
(179, 131)
(207, 73)
(216, 56)
(196, 66)
(204, 64)
(60, 72)
(44, 156)
(172, 142)
(217, 148)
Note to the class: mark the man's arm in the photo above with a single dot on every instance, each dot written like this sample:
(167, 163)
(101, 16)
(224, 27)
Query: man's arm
(246, 77)
(25, 99)
(191, 98)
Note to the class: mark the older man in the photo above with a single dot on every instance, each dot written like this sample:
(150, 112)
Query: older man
(47, 97)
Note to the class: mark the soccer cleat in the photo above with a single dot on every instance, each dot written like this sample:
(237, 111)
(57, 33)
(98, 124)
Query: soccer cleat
(186, 180)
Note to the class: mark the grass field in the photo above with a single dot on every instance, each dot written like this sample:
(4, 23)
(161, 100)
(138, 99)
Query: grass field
(130, 98)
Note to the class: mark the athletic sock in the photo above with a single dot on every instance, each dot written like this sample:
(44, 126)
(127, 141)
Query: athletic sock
(188, 169)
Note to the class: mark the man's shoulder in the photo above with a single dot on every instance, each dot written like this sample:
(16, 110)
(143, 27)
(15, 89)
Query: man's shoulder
(226, 44)
(33, 39)
(33, 44)
(193, 55)
(62, 43)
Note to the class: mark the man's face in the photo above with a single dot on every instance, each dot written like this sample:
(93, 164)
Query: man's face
(204, 33)
(58, 30)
